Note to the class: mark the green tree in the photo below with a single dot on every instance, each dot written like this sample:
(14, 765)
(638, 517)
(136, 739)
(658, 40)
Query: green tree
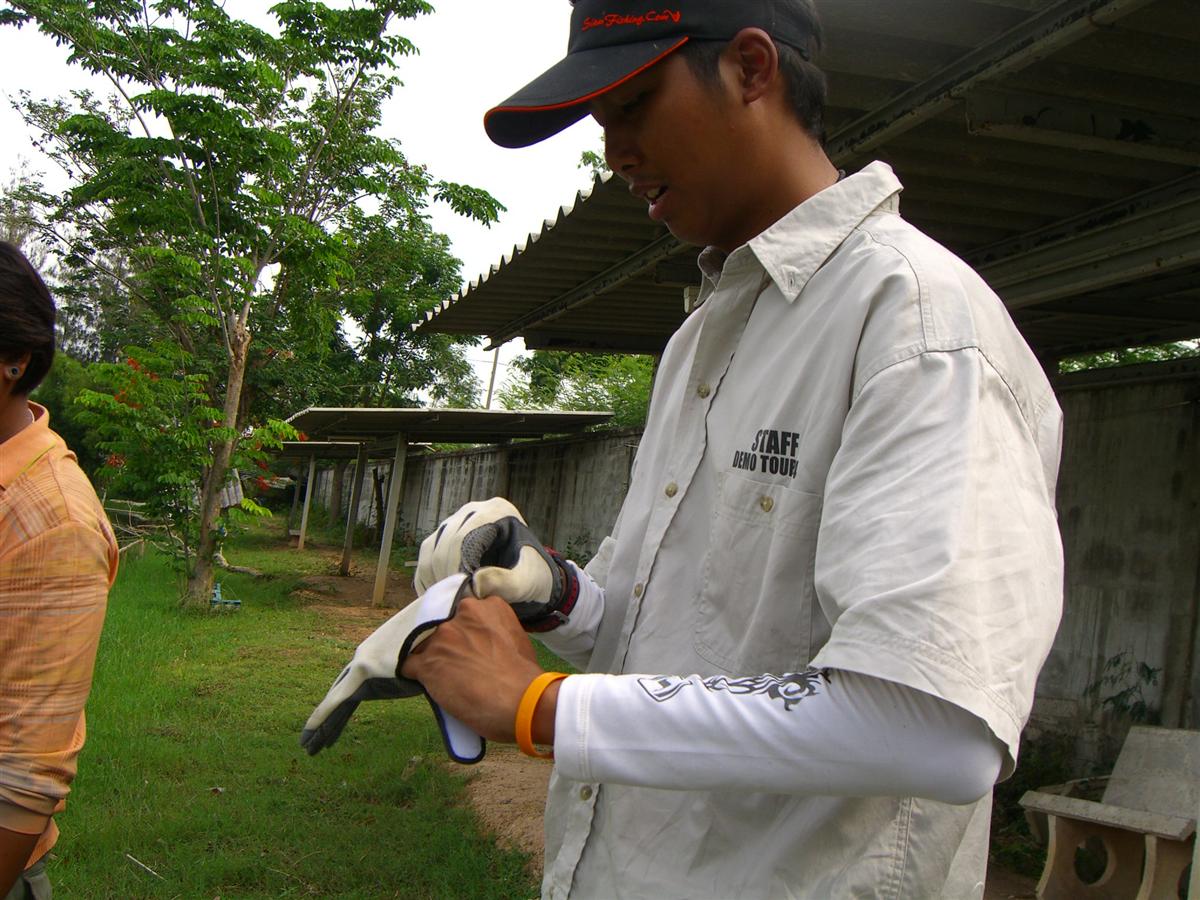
(401, 270)
(594, 162)
(1129, 356)
(65, 381)
(222, 174)
(583, 381)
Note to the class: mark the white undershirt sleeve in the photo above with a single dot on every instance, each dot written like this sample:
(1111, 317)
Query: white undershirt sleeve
(817, 732)
(573, 639)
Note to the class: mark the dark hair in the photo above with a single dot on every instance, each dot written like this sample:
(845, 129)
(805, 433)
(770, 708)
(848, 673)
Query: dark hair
(26, 317)
(806, 86)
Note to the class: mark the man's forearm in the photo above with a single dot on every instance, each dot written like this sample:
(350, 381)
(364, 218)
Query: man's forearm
(15, 848)
(812, 732)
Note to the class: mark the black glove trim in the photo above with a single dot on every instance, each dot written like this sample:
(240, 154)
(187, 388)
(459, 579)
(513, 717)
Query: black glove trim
(441, 721)
(562, 611)
(417, 688)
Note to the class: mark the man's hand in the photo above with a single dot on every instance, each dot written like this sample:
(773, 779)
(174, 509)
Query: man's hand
(478, 665)
(490, 542)
(441, 552)
(373, 674)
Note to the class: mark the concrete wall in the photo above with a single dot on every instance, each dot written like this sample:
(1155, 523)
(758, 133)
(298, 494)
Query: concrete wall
(569, 490)
(1129, 505)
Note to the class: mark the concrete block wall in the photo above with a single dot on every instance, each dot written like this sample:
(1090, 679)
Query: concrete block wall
(569, 490)
(1129, 510)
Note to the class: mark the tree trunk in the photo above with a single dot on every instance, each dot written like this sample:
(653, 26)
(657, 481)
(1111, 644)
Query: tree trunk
(200, 581)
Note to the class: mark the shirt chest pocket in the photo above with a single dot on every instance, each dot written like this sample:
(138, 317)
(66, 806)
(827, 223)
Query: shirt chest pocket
(758, 610)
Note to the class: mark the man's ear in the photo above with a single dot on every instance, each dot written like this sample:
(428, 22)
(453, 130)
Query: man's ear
(756, 61)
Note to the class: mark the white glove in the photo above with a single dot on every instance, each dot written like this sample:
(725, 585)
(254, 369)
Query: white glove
(374, 674)
(489, 541)
(441, 552)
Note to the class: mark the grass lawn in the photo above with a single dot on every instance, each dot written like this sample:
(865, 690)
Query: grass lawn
(193, 767)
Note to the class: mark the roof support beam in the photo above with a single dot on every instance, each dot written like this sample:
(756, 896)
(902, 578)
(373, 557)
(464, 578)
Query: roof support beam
(360, 471)
(628, 268)
(1039, 36)
(1055, 122)
(391, 513)
(308, 495)
(1152, 233)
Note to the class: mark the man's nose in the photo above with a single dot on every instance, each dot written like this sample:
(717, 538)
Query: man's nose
(620, 150)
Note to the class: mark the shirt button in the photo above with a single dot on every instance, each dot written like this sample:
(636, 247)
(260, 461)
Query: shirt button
(672, 489)
(766, 503)
(638, 588)
(704, 390)
(585, 792)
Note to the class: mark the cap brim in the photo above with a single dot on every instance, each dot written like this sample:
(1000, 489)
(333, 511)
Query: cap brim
(559, 96)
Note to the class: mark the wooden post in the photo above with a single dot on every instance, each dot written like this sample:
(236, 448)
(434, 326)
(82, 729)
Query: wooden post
(308, 493)
(360, 470)
(395, 488)
(287, 530)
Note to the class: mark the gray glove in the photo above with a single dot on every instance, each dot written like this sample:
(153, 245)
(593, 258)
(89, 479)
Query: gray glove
(489, 541)
(374, 674)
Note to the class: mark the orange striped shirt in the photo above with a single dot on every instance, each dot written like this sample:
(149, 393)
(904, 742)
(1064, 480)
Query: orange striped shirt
(58, 558)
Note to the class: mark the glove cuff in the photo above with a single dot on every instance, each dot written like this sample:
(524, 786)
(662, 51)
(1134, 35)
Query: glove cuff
(561, 610)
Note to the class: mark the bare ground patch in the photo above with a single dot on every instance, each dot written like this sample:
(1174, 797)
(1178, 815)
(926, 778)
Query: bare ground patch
(508, 791)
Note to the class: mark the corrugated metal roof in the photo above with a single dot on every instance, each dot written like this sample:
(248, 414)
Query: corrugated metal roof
(331, 450)
(467, 426)
(1055, 146)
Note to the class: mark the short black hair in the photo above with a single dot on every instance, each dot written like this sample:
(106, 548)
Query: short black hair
(26, 317)
(807, 88)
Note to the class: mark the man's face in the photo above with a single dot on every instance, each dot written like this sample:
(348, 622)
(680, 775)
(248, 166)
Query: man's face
(670, 136)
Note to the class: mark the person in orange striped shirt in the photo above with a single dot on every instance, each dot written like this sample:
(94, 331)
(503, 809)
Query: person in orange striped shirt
(58, 558)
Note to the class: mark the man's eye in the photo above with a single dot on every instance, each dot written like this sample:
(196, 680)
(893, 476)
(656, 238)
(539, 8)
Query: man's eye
(633, 104)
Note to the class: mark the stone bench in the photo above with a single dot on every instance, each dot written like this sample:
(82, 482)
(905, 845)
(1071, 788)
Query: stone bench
(1146, 820)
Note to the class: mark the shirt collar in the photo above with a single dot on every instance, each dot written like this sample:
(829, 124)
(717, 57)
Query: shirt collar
(26, 447)
(791, 250)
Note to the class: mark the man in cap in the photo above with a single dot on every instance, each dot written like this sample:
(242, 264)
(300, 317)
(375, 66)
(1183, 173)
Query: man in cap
(811, 642)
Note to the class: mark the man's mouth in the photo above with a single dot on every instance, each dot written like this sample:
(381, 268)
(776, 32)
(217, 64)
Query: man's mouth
(653, 196)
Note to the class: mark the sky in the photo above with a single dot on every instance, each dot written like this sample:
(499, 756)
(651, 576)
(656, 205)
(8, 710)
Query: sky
(472, 56)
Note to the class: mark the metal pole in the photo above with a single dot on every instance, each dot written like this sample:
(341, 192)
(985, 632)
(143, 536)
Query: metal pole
(395, 488)
(360, 470)
(492, 380)
(308, 492)
(287, 530)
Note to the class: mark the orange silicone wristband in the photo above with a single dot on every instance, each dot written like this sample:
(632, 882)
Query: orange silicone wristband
(526, 708)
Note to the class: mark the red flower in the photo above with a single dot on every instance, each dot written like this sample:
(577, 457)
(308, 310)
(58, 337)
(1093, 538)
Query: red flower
(115, 461)
(262, 464)
(300, 435)
(262, 484)
(134, 364)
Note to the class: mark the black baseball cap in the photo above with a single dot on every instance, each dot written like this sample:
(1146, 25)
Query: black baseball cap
(613, 40)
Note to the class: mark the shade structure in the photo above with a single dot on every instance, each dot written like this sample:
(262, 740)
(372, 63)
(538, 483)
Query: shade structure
(385, 431)
(1053, 144)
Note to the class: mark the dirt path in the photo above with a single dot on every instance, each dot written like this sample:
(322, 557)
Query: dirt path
(506, 790)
